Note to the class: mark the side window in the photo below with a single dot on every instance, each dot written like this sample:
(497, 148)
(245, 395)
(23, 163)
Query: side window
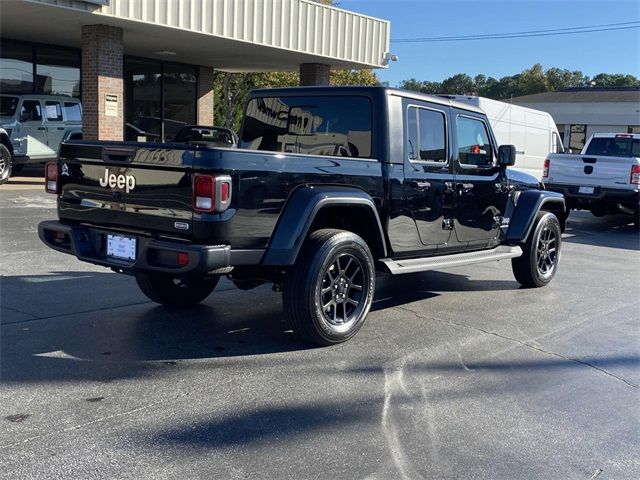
(474, 147)
(426, 135)
(556, 143)
(54, 111)
(31, 111)
(72, 111)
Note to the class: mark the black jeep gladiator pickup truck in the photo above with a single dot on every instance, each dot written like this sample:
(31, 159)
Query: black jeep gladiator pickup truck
(328, 186)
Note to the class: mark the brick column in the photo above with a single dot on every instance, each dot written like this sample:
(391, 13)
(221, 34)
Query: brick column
(102, 74)
(314, 74)
(205, 96)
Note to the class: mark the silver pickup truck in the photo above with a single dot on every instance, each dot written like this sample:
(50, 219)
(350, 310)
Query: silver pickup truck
(32, 128)
(604, 178)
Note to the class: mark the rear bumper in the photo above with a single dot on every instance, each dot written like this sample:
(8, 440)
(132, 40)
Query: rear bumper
(601, 196)
(89, 244)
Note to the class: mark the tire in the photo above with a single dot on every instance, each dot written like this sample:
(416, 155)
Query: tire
(6, 164)
(335, 268)
(541, 252)
(173, 291)
(636, 220)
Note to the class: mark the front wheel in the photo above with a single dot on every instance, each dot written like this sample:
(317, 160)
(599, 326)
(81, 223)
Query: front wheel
(328, 293)
(175, 291)
(6, 162)
(541, 252)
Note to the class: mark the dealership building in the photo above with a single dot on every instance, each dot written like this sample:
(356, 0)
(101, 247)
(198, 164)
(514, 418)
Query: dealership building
(148, 65)
(581, 112)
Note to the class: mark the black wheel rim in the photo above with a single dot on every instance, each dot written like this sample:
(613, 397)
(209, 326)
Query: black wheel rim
(547, 251)
(342, 292)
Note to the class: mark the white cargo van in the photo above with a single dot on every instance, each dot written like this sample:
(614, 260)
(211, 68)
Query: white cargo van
(533, 132)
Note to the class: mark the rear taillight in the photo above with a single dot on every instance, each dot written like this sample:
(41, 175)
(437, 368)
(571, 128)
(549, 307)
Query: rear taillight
(51, 178)
(211, 193)
(545, 168)
(635, 175)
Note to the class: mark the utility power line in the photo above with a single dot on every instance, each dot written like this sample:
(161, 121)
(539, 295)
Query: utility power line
(525, 34)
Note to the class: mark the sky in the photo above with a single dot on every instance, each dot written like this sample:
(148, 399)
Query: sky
(609, 52)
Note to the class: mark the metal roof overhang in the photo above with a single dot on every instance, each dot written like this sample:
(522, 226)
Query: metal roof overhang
(230, 35)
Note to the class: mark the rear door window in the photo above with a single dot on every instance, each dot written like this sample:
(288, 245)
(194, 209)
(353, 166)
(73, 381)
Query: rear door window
(31, 111)
(319, 125)
(427, 135)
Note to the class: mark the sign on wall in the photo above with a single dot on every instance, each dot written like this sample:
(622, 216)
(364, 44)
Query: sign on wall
(110, 105)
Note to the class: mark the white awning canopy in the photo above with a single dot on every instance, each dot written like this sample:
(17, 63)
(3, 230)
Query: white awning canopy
(231, 35)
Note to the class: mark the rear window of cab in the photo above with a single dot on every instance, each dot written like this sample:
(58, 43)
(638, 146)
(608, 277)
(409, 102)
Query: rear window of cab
(318, 125)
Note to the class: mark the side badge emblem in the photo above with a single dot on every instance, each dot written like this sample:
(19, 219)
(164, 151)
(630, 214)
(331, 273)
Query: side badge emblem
(181, 225)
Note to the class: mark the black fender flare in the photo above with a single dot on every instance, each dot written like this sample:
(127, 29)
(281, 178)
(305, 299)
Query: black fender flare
(5, 140)
(299, 213)
(523, 208)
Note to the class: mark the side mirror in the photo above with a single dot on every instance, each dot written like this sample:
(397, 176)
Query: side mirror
(568, 150)
(24, 117)
(506, 155)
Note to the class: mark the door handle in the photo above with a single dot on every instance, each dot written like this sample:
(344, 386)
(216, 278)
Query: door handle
(60, 128)
(464, 187)
(449, 187)
(420, 185)
(42, 128)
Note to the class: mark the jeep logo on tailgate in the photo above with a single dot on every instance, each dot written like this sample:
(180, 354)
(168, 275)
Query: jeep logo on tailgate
(128, 182)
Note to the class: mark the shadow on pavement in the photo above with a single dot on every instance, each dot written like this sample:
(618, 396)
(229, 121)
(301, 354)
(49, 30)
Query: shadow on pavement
(74, 326)
(613, 231)
(279, 424)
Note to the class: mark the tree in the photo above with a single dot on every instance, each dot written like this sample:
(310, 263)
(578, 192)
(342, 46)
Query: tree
(459, 84)
(615, 80)
(529, 81)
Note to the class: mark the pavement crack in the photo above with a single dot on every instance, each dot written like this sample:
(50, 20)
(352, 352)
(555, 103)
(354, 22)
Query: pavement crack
(36, 318)
(12, 309)
(522, 343)
(81, 425)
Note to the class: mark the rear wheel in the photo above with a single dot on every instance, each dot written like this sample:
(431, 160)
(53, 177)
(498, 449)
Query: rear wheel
(6, 162)
(175, 291)
(329, 291)
(541, 253)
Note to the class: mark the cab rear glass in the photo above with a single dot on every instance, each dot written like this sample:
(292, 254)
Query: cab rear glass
(8, 106)
(315, 125)
(614, 147)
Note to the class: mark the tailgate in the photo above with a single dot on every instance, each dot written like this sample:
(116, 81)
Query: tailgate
(612, 172)
(130, 186)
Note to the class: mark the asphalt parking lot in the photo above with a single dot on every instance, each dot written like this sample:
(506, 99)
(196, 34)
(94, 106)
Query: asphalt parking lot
(456, 375)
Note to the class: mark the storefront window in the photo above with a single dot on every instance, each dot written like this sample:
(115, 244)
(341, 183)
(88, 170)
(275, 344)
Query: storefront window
(58, 72)
(16, 67)
(142, 93)
(179, 98)
(578, 137)
(160, 99)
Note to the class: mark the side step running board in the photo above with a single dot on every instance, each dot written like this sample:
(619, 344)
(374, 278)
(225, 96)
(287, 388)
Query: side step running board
(447, 261)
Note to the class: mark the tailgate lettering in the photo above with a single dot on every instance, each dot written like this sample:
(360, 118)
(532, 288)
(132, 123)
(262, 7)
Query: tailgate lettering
(128, 182)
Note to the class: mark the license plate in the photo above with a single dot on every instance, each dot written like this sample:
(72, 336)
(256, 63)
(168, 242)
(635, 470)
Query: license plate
(586, 190)
(121, 247)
